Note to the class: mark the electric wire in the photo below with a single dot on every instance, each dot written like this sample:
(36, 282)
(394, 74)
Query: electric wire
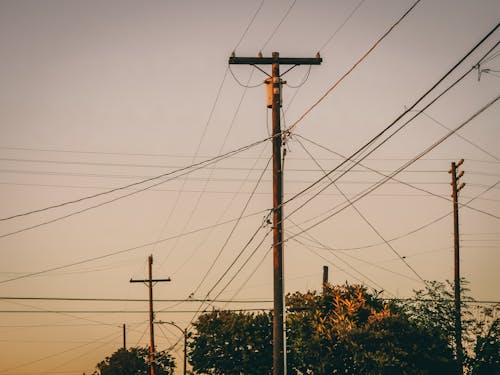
(129, 249)
(99, 299)
(105, 202)
(463, 138)
(113, 339)
(359, 61)
(188, 168)
(249, 257)
(372, 140)
(341, 26)
(373, 228)
(303, 81)
(343, 270)
(60, 352)
(229, 268)
(325, 247)
(404, 166)
(418, 229)
(73, 317)
(259, 264)
(200, 196)
(246, 86)
(233, 229)
(278, 25)
(197, 151)
(252, 20)
(403, 182)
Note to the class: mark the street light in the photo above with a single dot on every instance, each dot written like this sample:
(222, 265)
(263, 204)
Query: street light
(184, 333)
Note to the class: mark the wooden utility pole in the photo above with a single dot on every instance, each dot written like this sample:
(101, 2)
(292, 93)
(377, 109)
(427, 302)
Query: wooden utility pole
(325, 278)
(124, 338)
(458, 315)
(274, 84)
(150, 282)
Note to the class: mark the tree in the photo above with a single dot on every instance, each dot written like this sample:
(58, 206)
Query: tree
(351, 331)
(433, 309)
(134, 361)
(487, 351)
(232, 343)
(345, 330)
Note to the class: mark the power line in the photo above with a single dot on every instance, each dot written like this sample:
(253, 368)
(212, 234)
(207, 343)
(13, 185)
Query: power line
(200, 196)
(372, 140)
(199, 156)
(384, 180)
(235, 225)
(122, 251)
(374, 229)
(100, 299)
(462, 137)
(249, 25)
(96, 205)
(336, 266)
(119, 311)
(406, 183)
(219, 280)
(189, 169)
(360, 60)
(337, 30)
(279, 24)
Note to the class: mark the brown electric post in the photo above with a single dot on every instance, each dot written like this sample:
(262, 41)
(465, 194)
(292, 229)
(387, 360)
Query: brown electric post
(275, 83)
(124, 338)
(325, 278)
(150, 282)
(458, 314)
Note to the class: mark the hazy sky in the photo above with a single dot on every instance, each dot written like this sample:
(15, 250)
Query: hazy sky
(97, 95)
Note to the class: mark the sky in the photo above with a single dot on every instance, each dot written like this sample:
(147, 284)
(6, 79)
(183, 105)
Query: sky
(124, 133)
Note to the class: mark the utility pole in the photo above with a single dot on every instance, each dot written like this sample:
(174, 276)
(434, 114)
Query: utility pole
(325, 278)
(458, 315)
(184, 332)
(274, 85)
(124, 338)
(149, 282)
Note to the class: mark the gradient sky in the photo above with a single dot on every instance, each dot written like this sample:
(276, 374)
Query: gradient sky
(97, 95)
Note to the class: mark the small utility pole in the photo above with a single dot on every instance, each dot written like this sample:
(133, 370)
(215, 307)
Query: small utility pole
(274, 84)
(325, 278)
(150, 282)
(458, 315)
(124, 338)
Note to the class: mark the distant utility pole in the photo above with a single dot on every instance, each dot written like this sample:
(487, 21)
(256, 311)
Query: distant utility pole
(149, 282)
(325, 278)
(124, 337)
(458, 315)
(274, 84)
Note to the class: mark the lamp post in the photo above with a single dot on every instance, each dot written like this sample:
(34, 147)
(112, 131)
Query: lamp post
(184, 333)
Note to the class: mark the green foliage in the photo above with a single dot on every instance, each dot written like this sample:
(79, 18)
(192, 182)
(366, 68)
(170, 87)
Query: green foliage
(487, 352)
(345, 330)
(134, 361)
(434, 311)
(232, 343)
(351, 331)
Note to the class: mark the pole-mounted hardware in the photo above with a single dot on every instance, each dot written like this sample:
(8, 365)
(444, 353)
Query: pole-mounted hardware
(458, 314)
(274, 85)
(149, 282)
